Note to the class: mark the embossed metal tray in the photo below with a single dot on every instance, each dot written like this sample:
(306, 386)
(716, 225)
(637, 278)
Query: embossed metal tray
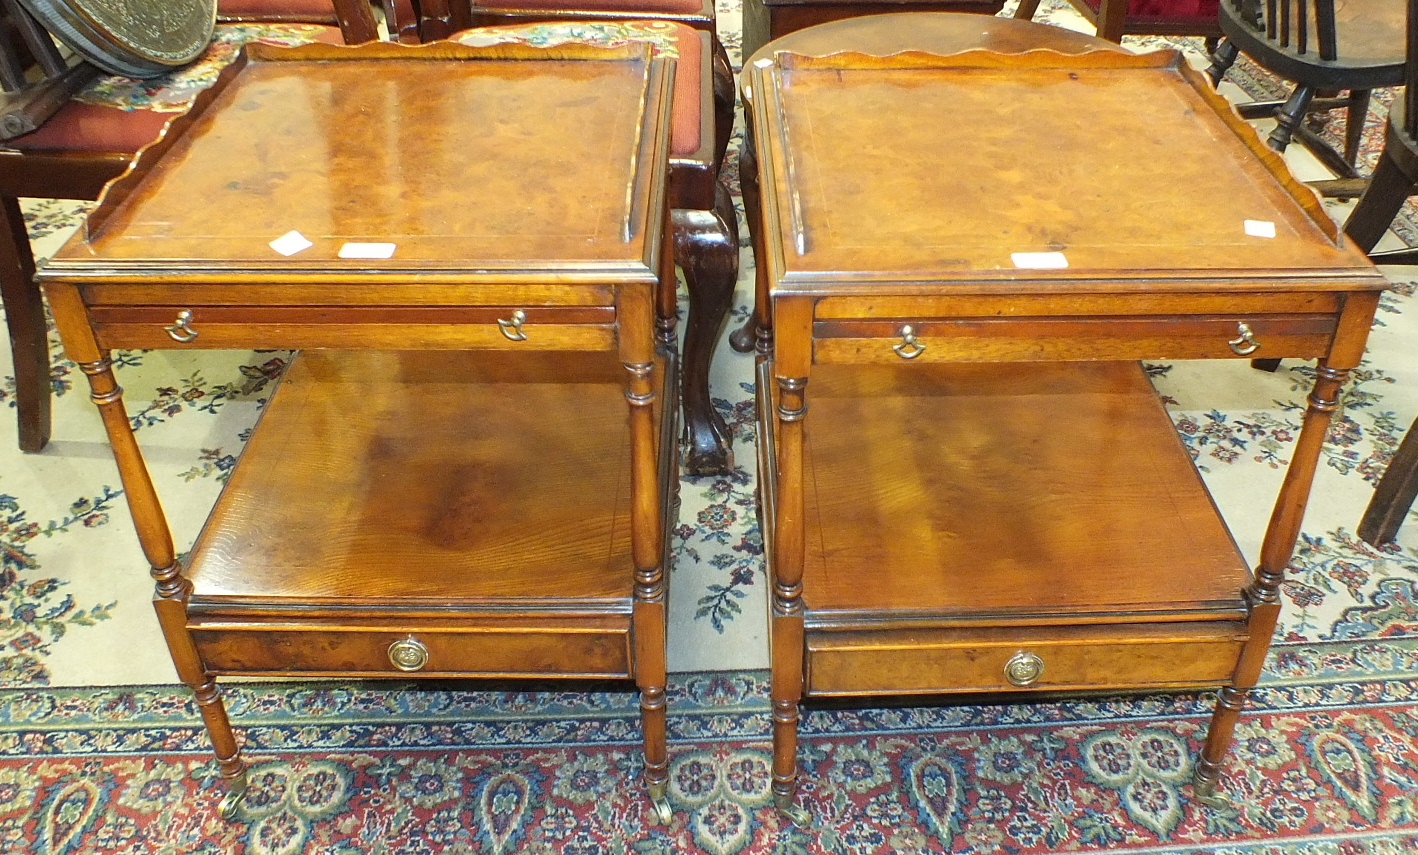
(136, 38)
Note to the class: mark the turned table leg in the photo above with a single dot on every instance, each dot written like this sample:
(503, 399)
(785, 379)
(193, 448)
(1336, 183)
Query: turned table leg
(1263, 594)
(786, 645)
(172, 588)
(636, 311)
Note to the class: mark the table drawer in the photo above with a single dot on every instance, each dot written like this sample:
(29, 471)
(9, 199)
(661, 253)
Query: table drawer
(439, 652)
(404, 327)
(1179, 655)
(1038, 339)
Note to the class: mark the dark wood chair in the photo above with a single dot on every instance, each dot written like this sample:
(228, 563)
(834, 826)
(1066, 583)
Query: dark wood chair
(1321, 47)
(705, 226)
(1395, 176)
(59, 146)
(1117, 18)
(1395, 179)
(1395, 493)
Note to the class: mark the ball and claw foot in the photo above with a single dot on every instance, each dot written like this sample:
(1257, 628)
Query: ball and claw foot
(1205, 791)
(796, 815)
(659, 798)
(235, 795)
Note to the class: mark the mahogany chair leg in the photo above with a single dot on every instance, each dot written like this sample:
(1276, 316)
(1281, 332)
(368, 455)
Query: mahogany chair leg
(24, 315)
(1290, 115)
(707, 246)
(1394, 495)
(1354, 118)
(745, 338)
(1389, 187)
(1222, 58)
(1026, 9)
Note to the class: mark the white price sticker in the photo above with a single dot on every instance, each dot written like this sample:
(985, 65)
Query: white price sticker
(1040, 260)
(1260, 228)
(367, 250)
(290, 243)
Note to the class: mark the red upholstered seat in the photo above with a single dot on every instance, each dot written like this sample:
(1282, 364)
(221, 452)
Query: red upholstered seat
(1168, 11)
(276, 10)
(666, 37)
(121, 114)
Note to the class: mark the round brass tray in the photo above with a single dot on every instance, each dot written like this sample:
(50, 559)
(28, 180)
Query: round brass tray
(136, 38)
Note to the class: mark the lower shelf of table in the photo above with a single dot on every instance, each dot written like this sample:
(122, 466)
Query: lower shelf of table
(959, 516)
(479, 504)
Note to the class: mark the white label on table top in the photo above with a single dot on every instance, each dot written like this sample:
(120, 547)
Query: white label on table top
(1040, 260)
(367, 250)
(290, 243)
(1260, 228)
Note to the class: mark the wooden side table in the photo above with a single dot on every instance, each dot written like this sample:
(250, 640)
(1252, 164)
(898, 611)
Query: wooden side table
(468, 493)
(968, 486)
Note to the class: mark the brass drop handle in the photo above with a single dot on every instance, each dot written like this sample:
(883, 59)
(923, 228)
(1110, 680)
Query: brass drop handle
(909, 348)
(1023, 669)
(181, 329)
(1244, 344)
(513, 328)
(408, 654)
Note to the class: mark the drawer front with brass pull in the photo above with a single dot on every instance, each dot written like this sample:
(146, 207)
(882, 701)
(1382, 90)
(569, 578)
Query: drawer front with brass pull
(1120, 338)
(245, 327)
(841, 665)
(316, 651)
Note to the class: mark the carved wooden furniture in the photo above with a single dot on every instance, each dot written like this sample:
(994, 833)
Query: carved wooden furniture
(1395, 493)
(1395, 176)
(704, 222)
(883, 35)
(1395, 179)
(1117, 18)
(966, 487)
(59, 147)
(1321, 46)
(497, 513)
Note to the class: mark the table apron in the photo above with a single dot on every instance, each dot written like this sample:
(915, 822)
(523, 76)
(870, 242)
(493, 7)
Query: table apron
(1032, 339)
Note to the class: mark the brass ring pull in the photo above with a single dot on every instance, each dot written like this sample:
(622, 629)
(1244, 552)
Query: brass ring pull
(909, 348)
(408, 654)
(1244, 344)
(513, 328)
(181, 329)
(1023, 669)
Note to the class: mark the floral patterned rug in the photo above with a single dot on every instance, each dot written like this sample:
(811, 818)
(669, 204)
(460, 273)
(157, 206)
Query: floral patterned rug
(100, 751)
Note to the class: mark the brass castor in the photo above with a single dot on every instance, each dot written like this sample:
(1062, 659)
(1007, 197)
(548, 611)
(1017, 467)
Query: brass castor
(235, 795)
(1205, 792)
(659, 798)
(796, 815)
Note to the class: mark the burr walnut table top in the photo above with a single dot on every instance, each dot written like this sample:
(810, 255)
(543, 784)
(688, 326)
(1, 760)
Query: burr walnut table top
(469, 161)
(1125, 168)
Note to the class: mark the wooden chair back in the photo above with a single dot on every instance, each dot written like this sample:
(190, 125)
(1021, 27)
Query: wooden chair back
(1350, 45)
(1298, 26)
